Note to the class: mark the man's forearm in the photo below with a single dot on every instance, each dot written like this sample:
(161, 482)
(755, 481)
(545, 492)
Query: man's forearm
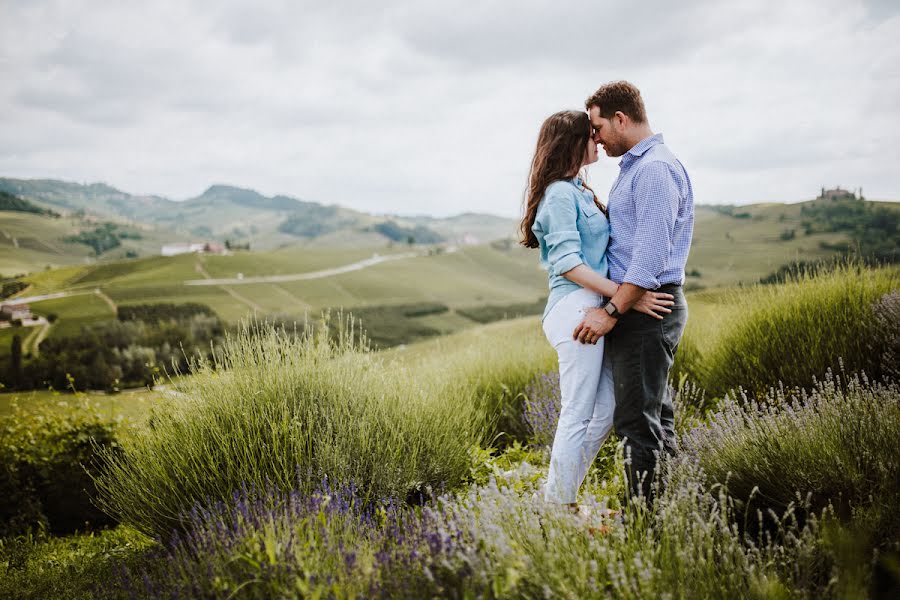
(627, 295)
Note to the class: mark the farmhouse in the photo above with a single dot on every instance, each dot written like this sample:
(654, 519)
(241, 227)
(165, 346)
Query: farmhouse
(839, 193)
(197, 247)
(11, 312)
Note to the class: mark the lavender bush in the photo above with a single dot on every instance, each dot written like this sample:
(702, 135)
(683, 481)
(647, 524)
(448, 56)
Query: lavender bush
(271, 543)
(886, 341)
(542, 406)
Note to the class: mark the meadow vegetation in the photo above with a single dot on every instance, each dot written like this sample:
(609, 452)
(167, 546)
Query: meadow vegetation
(303, 464)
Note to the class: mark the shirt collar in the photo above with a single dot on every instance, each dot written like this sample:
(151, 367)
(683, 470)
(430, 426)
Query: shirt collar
(642, 146)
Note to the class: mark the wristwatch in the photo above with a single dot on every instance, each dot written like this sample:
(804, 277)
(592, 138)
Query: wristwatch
(612, 310)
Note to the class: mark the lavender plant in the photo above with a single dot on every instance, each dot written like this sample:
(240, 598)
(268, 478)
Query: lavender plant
(273, 404)
(542, 406)
(270, 543)
(885, 342)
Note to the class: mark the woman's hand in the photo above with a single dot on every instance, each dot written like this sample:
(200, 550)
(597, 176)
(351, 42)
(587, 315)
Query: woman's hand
(655, 304)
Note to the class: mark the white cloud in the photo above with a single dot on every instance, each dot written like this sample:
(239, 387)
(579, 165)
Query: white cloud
(433, 107)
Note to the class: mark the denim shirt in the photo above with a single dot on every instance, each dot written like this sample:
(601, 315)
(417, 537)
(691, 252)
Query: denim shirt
(571, 230)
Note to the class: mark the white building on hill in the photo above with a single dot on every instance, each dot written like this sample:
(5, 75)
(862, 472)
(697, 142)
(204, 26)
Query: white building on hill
(198, 247)
(11, 312)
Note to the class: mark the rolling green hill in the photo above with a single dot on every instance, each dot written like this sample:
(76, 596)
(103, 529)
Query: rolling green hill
(245, 216)
(455, 286)
(31, 241)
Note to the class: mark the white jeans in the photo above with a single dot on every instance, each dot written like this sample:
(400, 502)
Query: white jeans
(588, 401)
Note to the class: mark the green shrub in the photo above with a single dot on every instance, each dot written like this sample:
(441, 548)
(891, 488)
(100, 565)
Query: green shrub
(273, 405)
(491, 313)
(794, 332)
(163, 311)
(48, 459)
(391, 325)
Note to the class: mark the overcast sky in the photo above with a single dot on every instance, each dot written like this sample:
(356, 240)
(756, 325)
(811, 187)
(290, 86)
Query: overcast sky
(434, 107)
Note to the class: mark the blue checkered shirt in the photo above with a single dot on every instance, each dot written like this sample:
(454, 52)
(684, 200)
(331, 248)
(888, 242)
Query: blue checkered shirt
(651, 217)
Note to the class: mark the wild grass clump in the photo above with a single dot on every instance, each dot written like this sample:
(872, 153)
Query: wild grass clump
(494, 365)
(41, 566)
(794, 332)
(273, 405)
(833, 446)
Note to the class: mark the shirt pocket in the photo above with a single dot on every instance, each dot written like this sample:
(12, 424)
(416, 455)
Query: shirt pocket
(593, 216)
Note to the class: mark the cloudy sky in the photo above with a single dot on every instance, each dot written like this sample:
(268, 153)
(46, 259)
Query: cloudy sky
(434, 107)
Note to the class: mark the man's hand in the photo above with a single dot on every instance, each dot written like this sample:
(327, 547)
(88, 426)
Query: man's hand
(595, 325)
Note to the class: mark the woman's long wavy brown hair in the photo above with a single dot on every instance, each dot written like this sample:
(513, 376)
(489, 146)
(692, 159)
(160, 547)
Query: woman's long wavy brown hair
(559, 154)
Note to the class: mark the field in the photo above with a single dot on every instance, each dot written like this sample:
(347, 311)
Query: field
(133, 405)
(473, 276)
(413, 471)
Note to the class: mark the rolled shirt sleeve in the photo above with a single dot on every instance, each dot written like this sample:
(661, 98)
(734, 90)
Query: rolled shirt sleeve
(558, 222)
(656, 195)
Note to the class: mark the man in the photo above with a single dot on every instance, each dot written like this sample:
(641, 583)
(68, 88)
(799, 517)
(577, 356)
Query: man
(651, 215)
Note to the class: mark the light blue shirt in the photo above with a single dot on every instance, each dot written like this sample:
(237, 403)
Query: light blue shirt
(571, 230)
(651, 214)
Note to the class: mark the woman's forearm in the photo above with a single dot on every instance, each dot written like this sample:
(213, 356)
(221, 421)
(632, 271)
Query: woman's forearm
(589, 279)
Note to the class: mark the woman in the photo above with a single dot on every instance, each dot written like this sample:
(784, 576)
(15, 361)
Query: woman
(564, 218)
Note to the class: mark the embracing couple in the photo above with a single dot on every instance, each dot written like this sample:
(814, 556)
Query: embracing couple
(616, 309)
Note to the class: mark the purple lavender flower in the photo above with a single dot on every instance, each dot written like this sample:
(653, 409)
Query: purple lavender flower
(542, 406)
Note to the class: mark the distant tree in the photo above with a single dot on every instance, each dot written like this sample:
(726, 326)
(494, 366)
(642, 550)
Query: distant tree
(12, 287)
(15, 358)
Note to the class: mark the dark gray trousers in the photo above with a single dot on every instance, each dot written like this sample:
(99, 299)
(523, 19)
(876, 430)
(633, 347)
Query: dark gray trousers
(642, 350)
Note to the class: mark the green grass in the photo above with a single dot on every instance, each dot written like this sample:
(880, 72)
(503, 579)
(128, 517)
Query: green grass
(132, 405)
(42, 566)
(73, 312)
(793, 332)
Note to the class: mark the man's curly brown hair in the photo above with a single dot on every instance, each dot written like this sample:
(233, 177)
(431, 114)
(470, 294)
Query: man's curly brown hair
(618, 96)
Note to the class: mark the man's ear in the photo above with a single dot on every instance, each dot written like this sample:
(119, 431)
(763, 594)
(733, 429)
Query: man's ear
(621, 119)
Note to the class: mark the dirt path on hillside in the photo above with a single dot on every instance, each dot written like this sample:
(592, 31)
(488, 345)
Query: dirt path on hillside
(32, 343)
(53, 296)
(363, 264)
(15, 242)
(109, 301)
(198, 266)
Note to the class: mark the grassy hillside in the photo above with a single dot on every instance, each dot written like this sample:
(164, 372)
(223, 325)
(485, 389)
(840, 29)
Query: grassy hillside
(245, 216)
(471, 277)
(30, 242)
